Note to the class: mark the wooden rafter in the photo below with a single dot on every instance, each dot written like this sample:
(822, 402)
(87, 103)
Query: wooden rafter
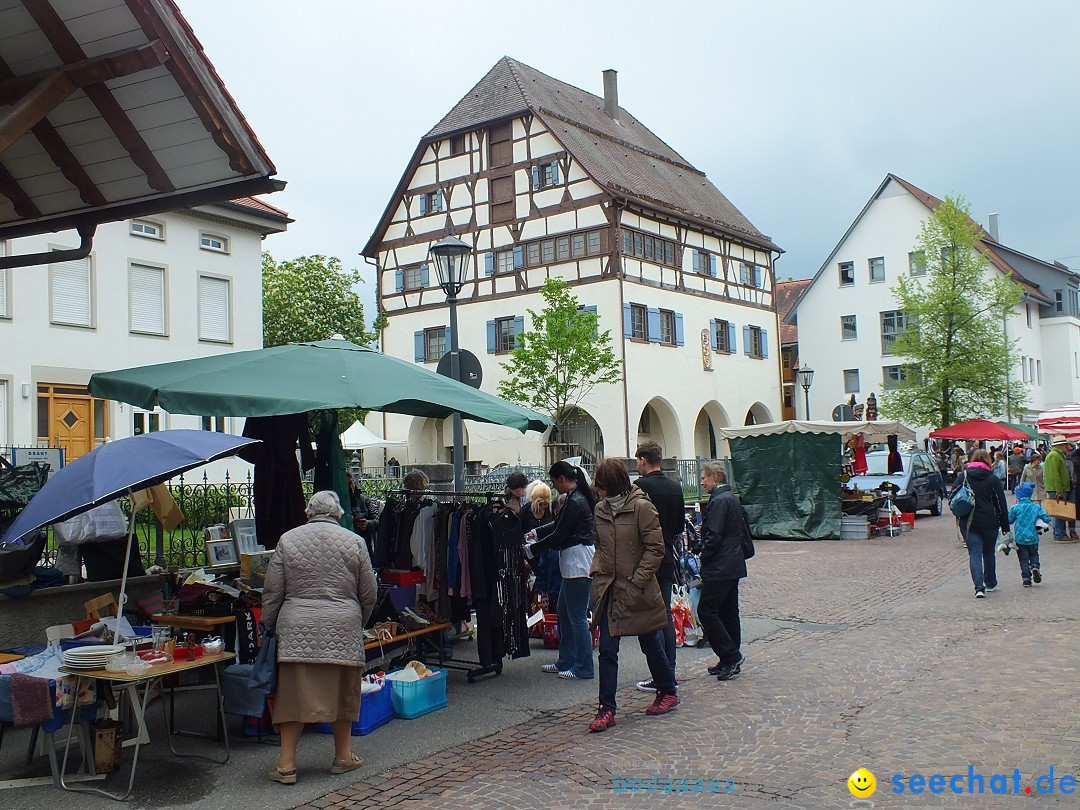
(70, 52)
(155, 28)
(59, 153)
(33, 107)
(10, 188)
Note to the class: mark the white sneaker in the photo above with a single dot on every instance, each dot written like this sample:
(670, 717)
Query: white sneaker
(549, 668)
(979, 595)
(991, 590)
(646, 686)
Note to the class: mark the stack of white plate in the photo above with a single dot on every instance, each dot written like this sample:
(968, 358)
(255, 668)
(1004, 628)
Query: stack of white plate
(92, 657)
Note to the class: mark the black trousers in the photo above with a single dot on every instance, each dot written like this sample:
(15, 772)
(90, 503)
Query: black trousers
(718, 612)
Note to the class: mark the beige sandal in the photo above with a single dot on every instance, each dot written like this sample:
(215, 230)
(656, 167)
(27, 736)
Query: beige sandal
(284, 777)
(346, 765)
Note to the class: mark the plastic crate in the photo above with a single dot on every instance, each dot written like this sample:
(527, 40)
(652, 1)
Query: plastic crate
(376, 709)
(415, 698)
(551, 631)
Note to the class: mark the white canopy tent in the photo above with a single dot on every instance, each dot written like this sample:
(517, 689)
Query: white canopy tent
(876, 431)
(358, 437)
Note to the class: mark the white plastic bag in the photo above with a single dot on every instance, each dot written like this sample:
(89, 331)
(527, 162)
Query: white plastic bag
(105, 522)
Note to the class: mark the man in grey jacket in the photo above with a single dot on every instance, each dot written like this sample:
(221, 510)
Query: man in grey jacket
(722, 566)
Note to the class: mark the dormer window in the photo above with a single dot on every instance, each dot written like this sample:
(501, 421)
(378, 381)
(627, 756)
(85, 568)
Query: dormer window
(457, 145)
(147, 229)
(545, 175)
(210, 241)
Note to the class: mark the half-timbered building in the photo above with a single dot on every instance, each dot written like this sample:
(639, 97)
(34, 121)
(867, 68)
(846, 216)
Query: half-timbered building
(543, 179)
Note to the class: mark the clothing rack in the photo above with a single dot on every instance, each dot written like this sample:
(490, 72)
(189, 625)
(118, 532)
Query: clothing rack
(487, 496)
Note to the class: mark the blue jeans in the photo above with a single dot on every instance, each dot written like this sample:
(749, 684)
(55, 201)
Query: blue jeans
(653, 648)
(980, 543)
(575, 640)
(667, 635)
(1028, 557)
(1059, 523)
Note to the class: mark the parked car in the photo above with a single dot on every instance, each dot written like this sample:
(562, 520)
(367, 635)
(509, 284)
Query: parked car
(919, 486)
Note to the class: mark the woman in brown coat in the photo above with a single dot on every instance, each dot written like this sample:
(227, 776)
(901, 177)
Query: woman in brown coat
(320, 590)
(625, 594)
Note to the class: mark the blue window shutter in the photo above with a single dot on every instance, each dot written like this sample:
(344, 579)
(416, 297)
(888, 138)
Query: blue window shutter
(654, 325)
(491, 337)
(424, 277)
(399, 281)
(438, 200)
(731, 338)
(712, 265)
(679, 329)
(712, 334)
(757, 277)
(423, 205)
(627, 322)
(764, 343)
(555, 172)
(519, 257)
(697, 262)
(489, 264)
(536, 177)
(418, 346)
(746, 340)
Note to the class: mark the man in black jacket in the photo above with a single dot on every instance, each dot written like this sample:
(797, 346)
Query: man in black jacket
(722, 566)
(667, 496)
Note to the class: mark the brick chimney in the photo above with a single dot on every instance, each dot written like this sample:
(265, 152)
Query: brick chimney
(611, 93)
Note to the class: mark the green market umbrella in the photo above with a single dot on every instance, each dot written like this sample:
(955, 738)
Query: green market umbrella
(302, 377)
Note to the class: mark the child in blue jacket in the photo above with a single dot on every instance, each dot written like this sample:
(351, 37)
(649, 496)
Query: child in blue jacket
(1025, 515)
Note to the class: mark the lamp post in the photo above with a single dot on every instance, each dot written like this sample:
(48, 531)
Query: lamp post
(805, 375)
(451, 259)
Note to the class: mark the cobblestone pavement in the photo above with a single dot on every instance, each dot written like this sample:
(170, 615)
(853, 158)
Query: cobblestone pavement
(881, 659)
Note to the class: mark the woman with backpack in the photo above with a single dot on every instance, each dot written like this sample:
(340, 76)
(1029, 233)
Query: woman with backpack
(990, 514)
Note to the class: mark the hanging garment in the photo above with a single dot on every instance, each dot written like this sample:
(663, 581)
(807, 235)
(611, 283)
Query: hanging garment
(278, 492)
(330, 468)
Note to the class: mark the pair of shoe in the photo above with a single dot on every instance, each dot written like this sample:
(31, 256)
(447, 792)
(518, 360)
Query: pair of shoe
(412, 621)
(719, 667)
(1065, 539)
(605, 719)
(337, 766)
(663, 703)
(1036, 574)
(649, 685)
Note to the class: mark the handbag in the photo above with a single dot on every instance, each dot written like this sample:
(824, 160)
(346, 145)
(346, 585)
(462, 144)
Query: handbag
(748, 549)
(1060, 509)
(264, 670)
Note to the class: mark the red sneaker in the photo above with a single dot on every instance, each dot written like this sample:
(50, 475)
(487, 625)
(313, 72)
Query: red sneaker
(605, 719)
(663, 704)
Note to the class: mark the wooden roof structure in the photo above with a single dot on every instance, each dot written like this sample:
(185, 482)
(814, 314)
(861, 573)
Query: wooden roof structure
(110, 109)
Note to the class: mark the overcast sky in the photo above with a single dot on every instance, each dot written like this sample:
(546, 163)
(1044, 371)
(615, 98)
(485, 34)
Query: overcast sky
(795, 110)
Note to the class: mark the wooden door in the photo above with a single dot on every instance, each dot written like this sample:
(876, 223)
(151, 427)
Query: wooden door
(71, 425)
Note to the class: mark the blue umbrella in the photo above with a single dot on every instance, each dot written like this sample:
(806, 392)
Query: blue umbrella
(118, 468)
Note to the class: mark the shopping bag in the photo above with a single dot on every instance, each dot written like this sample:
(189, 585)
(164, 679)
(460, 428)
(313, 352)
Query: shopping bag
(1060, 509)
(264, 672)
(687, 628)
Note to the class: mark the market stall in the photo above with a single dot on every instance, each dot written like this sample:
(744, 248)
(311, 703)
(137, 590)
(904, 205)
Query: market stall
(788, 474)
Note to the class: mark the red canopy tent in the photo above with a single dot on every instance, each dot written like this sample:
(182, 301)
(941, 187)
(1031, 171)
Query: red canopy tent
(978, 429)
(1061, 422)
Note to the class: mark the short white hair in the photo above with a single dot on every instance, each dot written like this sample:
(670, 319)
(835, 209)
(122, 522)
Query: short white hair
(325, 503)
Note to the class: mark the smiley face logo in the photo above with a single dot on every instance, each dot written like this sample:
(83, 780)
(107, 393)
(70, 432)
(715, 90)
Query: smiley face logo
(862, 784)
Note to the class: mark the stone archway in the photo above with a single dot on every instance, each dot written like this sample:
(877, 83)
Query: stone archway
(707, 439)
(579, 435)
(433, 439)
(758, 415)
(659, 422)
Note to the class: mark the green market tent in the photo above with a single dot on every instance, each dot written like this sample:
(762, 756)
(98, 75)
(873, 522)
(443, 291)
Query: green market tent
(1030, 430)
(303, 377)
(788, 473)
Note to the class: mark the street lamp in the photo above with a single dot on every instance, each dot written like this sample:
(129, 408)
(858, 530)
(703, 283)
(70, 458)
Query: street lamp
(451, 258)
(805, 375)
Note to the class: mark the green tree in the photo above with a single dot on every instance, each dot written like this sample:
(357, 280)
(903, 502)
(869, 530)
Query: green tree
(565, 356)
(955, 352)
(311, 298)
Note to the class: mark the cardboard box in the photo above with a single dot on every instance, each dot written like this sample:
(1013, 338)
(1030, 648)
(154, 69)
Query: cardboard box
(253, 566)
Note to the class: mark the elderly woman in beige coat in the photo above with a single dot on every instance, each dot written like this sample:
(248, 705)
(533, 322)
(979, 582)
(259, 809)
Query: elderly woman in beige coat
(320, 590)
(626, 597)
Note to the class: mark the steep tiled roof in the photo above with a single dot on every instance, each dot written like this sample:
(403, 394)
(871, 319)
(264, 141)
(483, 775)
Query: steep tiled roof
(623, 156)
(261, 206)
(787, 293)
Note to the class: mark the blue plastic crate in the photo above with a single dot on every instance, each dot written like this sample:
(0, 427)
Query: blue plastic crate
(376, 709)
(414, 698)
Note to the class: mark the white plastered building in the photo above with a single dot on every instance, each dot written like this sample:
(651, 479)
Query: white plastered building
(545, 179)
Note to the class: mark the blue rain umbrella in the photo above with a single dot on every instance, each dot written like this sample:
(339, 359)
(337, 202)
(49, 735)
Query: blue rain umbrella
(118, 468)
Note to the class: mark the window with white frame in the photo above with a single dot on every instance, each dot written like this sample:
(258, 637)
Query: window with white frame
(916, 263)
(505, 335)
(5, 286)
(757, 342)
(667, 327)
(851, 381)
(847, 274)
(848, 330)
(148, 229)
(147, 421)
(1027, 313)
(877, 269)
(723, 337)
(71, 293)
(214, 242)
(146, 307)
(434, 344)
(504, 261)
(638, 323)
(1031, 369)
(215, 309)
(414, 277)
(1023, 368)
(893, 323)
(892, 376)
(217, 424)
(1038, 371)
